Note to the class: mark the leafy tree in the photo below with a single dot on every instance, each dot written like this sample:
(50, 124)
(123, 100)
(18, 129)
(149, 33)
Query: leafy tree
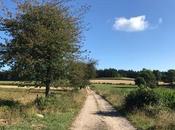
(140, 81)
(91, 69)
(171, 76)
(158, 75)
(149, 78)
(44, 37)
(80, 74)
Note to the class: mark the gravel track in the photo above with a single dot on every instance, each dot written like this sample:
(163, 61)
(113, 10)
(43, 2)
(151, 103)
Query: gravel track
(98, 114)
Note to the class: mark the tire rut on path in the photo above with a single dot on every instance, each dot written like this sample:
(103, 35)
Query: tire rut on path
(98, 114)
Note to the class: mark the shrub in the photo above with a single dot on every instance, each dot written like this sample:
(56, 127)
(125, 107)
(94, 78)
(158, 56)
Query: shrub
(139, 98)
(149, 78)
(140, 81)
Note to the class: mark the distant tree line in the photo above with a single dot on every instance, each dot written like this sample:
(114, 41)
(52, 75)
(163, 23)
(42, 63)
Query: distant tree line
(151, 77)
(111, 72)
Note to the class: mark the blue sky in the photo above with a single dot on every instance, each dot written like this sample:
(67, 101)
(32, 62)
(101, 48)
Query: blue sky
(135, 34)
(131, 34)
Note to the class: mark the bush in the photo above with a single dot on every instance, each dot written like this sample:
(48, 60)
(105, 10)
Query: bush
(149, 78)
(139, 98)
(140, 81)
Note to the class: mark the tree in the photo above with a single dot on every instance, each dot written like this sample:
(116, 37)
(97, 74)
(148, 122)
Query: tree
(158, 75)
(140, 81)
(149, 77)
(79, 76)
(171, 76)
(116, 73)
(107, 73)
(91, 69)
(44, 37)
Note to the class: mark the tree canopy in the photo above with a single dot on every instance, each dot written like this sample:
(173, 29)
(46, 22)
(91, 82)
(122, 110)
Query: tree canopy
(140, 81)
(149, 77)
(44, 37)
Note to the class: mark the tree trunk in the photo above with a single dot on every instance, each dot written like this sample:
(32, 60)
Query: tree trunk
(47, 89)
(48, 81)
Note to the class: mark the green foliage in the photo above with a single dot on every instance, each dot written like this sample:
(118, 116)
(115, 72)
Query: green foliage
(78, 76)
(167, 97)
(171, 76)
(158, 75)
(139, 98)
(91, 69)
(140, 81)
(81, 73)
(45, 36)
(149, 78)
(111, 72)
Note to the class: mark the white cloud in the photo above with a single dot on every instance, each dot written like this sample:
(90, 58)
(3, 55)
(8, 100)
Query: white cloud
(133, 24)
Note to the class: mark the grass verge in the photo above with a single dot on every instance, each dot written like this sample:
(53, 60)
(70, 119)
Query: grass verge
(21, 109)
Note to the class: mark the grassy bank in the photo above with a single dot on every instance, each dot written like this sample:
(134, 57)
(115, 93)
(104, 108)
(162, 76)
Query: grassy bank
(159, 117)
(21, 109)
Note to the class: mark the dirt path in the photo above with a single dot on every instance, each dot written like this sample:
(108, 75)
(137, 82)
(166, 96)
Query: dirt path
(98, 114)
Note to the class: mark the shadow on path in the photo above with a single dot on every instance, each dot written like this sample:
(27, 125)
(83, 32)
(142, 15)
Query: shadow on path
(108, 113)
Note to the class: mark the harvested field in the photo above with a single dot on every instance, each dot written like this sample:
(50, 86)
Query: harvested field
(125, 82)
(120, 81)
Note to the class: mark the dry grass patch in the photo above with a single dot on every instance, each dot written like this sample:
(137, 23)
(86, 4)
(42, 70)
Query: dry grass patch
(19, 109)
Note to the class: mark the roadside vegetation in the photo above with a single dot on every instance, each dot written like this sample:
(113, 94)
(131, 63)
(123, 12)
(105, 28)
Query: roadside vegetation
(21, 109)
(147, 109)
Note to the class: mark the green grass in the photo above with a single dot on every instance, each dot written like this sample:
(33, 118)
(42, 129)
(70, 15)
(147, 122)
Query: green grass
(160, 117)
(115, 94)
(19, 108)
(167, 96)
